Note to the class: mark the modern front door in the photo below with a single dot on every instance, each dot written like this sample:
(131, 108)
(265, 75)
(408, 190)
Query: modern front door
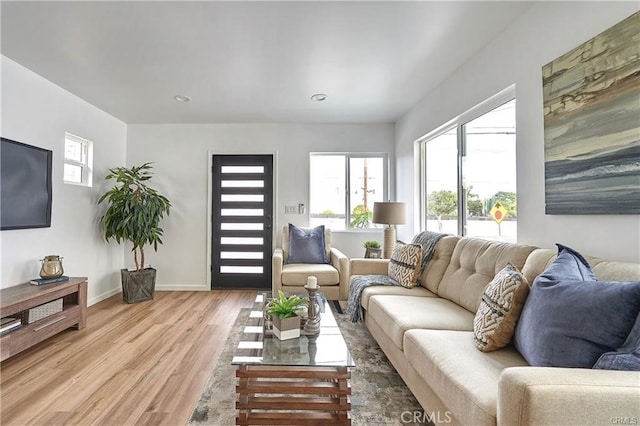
(242, 221)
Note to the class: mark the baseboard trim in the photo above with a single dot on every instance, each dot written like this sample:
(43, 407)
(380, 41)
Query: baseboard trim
(103, 296)
(182, 287)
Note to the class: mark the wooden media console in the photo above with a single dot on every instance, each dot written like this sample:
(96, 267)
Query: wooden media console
(18, 300)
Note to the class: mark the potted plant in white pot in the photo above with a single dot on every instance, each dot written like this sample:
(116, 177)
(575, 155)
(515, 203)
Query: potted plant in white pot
(134, 211)
(284, 315)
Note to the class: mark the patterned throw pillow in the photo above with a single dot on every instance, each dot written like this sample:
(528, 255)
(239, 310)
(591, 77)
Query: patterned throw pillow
(499, 309)
(404, 264)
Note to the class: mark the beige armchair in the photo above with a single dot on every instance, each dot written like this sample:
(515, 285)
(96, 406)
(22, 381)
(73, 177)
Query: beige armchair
(333, 278)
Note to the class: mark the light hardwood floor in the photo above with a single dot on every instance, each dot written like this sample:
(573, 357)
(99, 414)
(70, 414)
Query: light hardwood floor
(145, 363)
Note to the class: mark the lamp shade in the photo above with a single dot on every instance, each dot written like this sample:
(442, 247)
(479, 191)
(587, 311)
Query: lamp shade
(390, 212)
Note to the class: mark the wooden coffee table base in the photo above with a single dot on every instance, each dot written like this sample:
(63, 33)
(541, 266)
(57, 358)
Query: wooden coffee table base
(293, 395)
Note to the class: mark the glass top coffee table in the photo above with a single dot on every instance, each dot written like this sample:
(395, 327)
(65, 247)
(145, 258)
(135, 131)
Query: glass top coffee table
(296, 381)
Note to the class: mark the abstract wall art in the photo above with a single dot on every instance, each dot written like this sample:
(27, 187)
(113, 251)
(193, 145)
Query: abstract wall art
(592, 125)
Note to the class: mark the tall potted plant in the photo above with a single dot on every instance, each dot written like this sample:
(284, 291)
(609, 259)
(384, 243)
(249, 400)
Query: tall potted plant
(134, 211)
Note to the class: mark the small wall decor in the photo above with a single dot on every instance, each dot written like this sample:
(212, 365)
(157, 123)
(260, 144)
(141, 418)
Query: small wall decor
(592, 126)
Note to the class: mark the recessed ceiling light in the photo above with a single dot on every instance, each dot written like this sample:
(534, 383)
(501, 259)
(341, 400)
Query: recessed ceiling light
(319, 97)
(182, 98)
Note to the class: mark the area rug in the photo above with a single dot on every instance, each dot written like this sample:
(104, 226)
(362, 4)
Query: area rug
(379, 396)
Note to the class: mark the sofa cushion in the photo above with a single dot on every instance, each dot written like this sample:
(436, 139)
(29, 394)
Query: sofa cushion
(537, 261)
(614, 271)
(473, 265)
(397, 314)
(605, 270)
(397, 290)
(404, 264)
(428, 241)
(500, 309)
(434, 271)
(463, 378)
(297, 274)
(570, 319)
(306, 246)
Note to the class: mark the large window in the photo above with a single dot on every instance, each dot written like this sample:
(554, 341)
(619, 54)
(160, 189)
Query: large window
(469, 173)
(78, 160)
(344, 188)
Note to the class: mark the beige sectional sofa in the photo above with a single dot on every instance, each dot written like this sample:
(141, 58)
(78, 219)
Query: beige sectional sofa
(427, 334)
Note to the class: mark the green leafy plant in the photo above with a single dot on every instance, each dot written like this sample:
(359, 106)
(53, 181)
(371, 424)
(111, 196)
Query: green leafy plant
(327, 213)
(442, 203)
(361, 217)
(371, 244)
(285, 307)
(134, 210)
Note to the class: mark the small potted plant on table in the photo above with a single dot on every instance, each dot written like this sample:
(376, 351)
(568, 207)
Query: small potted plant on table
(284, 315)
(373, 249)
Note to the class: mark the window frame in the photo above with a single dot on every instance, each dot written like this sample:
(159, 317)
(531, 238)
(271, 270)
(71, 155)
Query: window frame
(86, 164)
(458, 124)
(348, 156)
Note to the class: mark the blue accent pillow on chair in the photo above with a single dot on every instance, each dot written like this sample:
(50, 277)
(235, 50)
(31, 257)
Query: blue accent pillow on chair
(306, 247)
(570, 319)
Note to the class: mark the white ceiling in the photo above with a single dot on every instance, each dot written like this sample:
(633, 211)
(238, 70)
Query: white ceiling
(250, 61)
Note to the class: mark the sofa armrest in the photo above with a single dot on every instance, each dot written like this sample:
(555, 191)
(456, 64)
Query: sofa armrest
(568, 396)
(362, 266)
(341, 262)
(277, 261)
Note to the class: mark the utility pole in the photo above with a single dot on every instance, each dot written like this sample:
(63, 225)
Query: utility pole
(366, 186)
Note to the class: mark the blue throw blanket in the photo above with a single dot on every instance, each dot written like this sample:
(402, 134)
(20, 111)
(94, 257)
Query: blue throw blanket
(426, 239)
(358, 284)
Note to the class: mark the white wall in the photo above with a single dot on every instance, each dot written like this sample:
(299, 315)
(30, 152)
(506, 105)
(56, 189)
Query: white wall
(180, 154)
(546, 31)
(37, 112)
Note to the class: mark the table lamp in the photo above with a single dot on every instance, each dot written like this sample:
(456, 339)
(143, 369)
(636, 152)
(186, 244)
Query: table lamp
(389, 213)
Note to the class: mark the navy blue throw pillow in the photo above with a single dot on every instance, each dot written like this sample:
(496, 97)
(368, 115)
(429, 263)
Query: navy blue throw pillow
(306, 247)
(569, 265)
(570, 319)
(625, 358)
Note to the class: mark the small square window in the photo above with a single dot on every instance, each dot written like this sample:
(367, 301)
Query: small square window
(78, 160)
(73, 150)
(72, 173)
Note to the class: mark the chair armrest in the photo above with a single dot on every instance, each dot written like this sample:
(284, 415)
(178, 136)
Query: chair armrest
(341, 262)
(362, 266)
(568, 396)
(276, 270)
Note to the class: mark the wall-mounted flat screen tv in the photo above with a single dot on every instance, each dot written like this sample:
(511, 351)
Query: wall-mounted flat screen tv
(25, 186)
